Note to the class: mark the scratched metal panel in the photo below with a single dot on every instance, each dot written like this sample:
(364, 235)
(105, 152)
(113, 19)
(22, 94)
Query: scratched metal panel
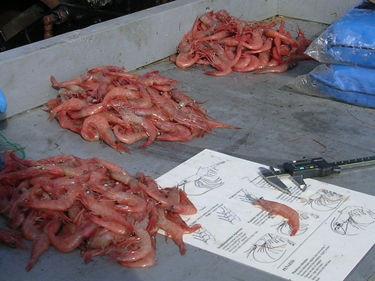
(317, 10)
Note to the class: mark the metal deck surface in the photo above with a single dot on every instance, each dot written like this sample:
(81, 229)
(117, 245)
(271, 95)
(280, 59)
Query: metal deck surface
(277, 124)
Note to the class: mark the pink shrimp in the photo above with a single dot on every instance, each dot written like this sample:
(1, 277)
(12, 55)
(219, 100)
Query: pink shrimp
(229, 41)
(276, 50)
(275, 208)
(68, 243)
(32, 172)
(30, 229)
(121, 73)
(176, 218)
(76, 81)
(74, 104)
(253, 64)
(145, 247)
(147, 261)
(210, 123)
(185, 206)
(101, 239)
(184, 100)
(154, 113)
(273, 63)
(276, 34)
(219, 35)
(170, 108)
(105, 211)
(144, 101)
(303, 42)
(115, 227)
(264, 59)
(172, 230)
(243, 61)
(224, 66)
(41, 244)
(106, 67)
(209, 19)
(87, 111)
(129, 117)
(151, 187)
(12, 238)
(120, 94)
(66, 122)
(118, 173)
(149, 79)
(63, 203)
(95, 127)
(276, 69)
(129, 136)
(170, 131)
(266, 47)
(255, 41)
(128, 203)
(184, 60)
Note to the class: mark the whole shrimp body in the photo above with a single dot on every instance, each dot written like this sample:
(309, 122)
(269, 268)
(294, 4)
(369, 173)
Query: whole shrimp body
(74, 104)
(69, 243)
(150, 129)
(275, 208)
(96, 127)
(12, 238)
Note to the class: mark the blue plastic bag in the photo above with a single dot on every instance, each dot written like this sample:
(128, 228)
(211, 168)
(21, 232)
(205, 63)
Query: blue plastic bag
(3, 102)
(346, 83)
(351, 39)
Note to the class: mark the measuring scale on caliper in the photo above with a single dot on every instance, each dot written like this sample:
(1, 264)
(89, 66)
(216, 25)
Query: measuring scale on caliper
(309, 168)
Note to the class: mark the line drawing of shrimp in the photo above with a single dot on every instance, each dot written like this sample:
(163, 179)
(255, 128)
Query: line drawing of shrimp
(269, 248)
(203, 235)
(325, 200)
(260, 182)
(227, 215)
(247, 197)
(352, 220)
(284, 227)
(203, 181)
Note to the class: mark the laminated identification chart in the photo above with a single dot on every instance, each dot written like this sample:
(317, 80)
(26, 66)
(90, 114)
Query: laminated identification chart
(337, 225)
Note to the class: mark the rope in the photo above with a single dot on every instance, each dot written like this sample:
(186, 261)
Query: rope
(15, 146)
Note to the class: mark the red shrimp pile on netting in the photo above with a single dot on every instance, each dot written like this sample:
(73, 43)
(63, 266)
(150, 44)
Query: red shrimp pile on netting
(93, 205)
(109, 104)
(230, 44)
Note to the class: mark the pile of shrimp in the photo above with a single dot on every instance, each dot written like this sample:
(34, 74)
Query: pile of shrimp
(92, 205)
(109, 104)
(230, 44)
